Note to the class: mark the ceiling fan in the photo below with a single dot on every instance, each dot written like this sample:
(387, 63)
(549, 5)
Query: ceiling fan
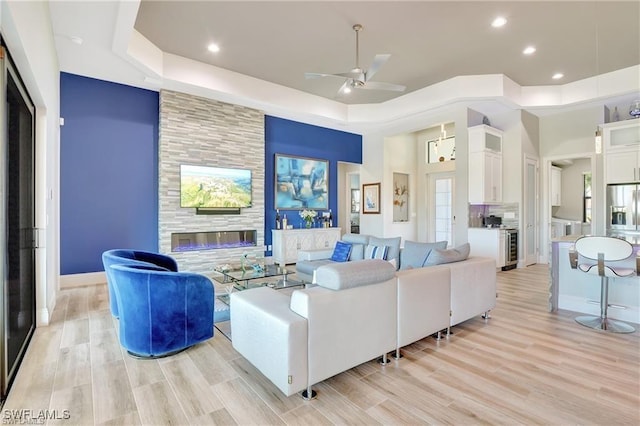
(358, 78)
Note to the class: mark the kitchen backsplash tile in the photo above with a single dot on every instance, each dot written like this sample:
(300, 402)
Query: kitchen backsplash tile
(508, 212)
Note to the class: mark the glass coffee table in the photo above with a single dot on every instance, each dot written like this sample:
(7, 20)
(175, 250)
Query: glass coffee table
(272, 276)
(229, 281)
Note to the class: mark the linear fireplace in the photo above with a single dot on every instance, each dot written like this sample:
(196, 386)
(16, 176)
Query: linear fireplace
(191, 241)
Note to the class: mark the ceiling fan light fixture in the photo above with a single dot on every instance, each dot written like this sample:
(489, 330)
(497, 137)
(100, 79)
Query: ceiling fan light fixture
(357, 77)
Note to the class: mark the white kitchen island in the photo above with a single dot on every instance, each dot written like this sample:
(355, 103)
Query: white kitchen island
(573, 290)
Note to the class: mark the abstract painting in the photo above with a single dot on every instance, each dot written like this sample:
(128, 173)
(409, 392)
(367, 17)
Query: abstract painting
(301, 183)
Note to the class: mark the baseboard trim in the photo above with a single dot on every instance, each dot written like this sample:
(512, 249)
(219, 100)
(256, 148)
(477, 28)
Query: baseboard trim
(81, 280)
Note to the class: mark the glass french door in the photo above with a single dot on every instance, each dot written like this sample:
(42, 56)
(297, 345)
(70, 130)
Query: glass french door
(443, 219)
(17, 219)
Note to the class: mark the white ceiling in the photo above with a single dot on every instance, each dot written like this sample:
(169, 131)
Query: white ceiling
(428, 41)
(132, 42)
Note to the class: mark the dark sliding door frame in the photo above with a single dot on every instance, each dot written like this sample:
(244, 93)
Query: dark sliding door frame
(18, 234)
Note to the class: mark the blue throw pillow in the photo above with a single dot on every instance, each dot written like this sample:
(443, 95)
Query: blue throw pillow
(341, 252)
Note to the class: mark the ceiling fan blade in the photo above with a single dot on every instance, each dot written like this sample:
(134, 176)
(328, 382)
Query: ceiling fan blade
(377, 85)
(341, 92)
(378, 61)
(309, 75)
(355, 75)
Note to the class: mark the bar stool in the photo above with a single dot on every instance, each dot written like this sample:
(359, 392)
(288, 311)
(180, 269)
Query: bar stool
(604, 250)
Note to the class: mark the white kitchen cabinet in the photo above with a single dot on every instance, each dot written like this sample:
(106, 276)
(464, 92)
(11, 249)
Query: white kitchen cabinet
(622, 151)
(287, 242)
(485, 165)
(623, 166)
(488, 242)
(556, 186)
(621, 135)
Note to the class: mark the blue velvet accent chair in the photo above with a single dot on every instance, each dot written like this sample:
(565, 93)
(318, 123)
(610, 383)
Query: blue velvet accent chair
(162, 312)
(132, 257)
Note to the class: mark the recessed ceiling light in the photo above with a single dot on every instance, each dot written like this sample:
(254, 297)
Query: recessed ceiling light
(499, 22)
(557, 76)
(347, 89)
(213, 48)
(77, 40)
(529, 50)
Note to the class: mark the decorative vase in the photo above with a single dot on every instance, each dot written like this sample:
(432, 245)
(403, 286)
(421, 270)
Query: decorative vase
(634, 109)
(308, 223)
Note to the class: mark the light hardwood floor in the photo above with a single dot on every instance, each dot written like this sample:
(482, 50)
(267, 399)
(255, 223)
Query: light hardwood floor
(524, 366)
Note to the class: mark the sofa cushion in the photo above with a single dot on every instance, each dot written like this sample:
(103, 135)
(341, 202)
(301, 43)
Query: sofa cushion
(376, 252)
(415, 254)
(357, 251)
(438, 257)
(393, 244)
(340, 276)
(356, 239)
(308, 266)
(341, 252)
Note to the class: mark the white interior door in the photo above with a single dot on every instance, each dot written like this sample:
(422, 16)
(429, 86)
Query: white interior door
(530, 231)
(441, 194)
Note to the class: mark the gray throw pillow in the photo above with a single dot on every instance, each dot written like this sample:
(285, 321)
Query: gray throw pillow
(358, 242)
(438, 257)
(415, 254)
(393, 244)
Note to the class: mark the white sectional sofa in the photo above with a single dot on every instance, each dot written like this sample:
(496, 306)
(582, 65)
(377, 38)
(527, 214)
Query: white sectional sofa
(473, 288)
(320, 331)
(359, 311)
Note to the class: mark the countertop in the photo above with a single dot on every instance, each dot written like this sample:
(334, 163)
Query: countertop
(634, 239)
(502, 228)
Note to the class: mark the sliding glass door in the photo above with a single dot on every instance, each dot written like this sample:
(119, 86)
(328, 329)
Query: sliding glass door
(17, 217)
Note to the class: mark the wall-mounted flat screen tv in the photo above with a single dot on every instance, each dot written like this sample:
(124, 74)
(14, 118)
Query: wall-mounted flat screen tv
(214, 187)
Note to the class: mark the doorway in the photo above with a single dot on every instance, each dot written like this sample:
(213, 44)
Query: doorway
(565, 212)
(17, 219)
(441, 195)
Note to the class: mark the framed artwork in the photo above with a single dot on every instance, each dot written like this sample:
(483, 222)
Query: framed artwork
(371, 198)
(400, 197)
(301, 183)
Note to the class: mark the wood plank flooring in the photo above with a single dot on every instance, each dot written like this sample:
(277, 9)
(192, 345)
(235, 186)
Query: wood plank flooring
(524, 366)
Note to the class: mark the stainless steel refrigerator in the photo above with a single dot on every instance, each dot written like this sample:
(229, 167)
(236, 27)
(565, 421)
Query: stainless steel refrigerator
(623, 207)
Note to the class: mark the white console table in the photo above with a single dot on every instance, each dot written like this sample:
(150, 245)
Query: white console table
(286, 243)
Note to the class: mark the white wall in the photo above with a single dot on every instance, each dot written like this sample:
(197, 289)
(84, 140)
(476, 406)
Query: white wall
(26, 28)
(400, 153)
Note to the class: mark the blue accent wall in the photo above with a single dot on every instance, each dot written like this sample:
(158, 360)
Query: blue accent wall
(108, 171)
(304, 140)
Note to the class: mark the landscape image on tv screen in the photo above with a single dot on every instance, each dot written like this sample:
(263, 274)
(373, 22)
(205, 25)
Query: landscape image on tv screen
(214, 187)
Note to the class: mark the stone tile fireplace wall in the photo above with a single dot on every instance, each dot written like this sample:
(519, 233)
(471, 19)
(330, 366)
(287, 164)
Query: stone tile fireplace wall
(204, 132)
